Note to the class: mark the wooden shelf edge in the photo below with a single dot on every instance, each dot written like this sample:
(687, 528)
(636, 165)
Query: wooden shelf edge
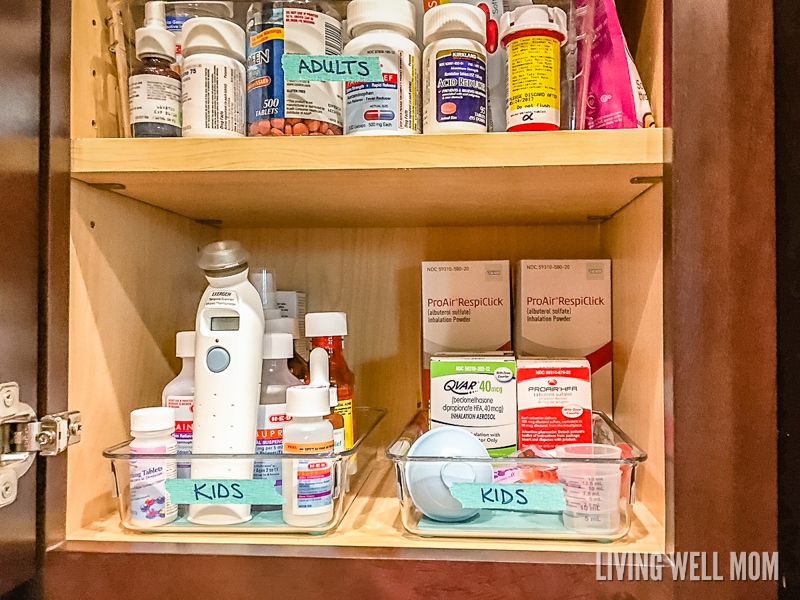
(539, 149)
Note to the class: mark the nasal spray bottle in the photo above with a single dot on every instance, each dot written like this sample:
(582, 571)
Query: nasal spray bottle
(179, 395)
(228, 348)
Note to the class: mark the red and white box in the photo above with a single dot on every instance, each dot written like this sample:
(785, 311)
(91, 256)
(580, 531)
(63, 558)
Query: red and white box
(554, 402)
(563, 308)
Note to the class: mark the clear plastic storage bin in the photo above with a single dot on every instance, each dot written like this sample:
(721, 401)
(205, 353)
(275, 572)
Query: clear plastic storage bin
(350, 470)
(522, 497)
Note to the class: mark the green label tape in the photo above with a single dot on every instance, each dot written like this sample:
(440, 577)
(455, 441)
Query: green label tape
(524, 497)
(308, 67)
(223, 491)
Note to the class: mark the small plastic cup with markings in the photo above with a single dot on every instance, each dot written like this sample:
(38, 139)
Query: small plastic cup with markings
(591, 489)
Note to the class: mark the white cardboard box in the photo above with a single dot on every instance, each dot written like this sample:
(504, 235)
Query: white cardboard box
(466, 308)
(563, 309)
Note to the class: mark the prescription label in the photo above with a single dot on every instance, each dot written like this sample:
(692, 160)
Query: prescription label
(534, 92)
(313, 478)
(155, 99)
(460, 87)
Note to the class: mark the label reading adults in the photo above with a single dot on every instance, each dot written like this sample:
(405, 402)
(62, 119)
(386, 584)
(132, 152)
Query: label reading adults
(460, 87)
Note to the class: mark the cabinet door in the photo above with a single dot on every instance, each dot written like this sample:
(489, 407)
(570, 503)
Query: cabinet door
(20, 43)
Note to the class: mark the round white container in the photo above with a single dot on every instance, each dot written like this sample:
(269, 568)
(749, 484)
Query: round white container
(214, 78)
(386, 29)
(455, 76)
(152, 430)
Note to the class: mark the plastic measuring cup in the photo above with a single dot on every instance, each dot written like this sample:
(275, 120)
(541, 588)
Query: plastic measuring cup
(591, 489)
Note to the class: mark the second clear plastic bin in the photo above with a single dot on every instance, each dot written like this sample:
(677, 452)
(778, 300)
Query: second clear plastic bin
(521, 497)
(349, 471)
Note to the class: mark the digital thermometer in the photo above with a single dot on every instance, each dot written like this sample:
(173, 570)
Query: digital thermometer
(228, 347)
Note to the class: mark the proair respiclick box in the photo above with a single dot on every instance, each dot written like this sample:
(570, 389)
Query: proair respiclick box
(563, 308)
(478, 393)
(554, 402)
(466, 309)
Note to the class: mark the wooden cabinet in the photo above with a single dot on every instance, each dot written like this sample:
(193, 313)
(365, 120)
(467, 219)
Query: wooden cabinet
(684, 212)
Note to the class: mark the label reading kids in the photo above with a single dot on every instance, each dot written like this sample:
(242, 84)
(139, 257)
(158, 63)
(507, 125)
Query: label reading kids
(460, 87)
(314, 478)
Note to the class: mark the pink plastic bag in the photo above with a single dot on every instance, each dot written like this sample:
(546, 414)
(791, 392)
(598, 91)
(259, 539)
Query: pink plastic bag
(615, 97)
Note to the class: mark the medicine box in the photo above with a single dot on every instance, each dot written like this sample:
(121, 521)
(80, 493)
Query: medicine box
(478, 393)
(563, 308)
(554, 402)
(466, 308)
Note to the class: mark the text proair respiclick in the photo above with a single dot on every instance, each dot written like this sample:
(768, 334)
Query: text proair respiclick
(478, 393)
(563, 308)
(466, 308)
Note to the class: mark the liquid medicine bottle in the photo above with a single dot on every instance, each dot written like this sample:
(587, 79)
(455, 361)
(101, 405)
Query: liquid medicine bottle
(320, 375)
(154, 88)
(178, 395)
(533, 36)
(386, 29)
(308, 484)
(275, 379)
(327, 330)
(214, 80)
(152, 430)
(455, 72)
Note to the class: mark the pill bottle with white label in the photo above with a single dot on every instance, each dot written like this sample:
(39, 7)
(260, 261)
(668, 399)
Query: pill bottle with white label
(152, 430)
(178, 395)
(386, 29)
(214, 79)
(533, 37)
(308, 483)
(180, 12)
(455, 76)
(154, 88)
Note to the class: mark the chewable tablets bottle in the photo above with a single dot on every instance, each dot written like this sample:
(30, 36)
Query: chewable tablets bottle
(455, 69)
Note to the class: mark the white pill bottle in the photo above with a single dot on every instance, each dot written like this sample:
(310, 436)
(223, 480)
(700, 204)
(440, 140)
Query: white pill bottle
(455, 76)
(152, 430)
(308, 483)
(386, 29)
(214, 78)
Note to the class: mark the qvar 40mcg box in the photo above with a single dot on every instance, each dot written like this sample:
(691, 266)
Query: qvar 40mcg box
(478, 393)
(466, 308)
(564, 309)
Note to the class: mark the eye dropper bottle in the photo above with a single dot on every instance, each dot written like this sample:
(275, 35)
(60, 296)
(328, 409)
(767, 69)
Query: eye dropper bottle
(318, 366)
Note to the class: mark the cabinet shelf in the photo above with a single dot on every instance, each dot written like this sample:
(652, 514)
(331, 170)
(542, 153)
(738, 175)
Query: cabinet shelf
(434, 180)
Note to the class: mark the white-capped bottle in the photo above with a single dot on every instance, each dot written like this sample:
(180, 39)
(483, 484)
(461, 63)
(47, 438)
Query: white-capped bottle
(152, 430)
(455, 75)
(308, 484)
(178, 394)
(319, 368)
(386, 29)
(214, 79)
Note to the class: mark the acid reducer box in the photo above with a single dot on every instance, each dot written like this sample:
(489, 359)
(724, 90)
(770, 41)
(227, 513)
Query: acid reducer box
(466, 309)
(554, 401)
(563, 308)
(478, 393)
